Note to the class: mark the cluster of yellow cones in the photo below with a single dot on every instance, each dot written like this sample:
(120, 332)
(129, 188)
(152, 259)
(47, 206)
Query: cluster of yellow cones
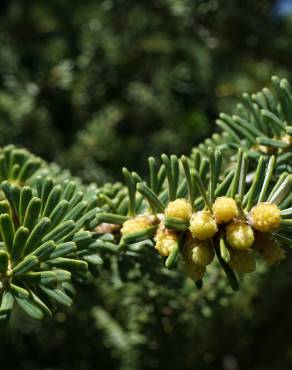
(245, 234)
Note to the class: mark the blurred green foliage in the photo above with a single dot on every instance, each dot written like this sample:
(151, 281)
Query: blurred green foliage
(83, 82)
(97, 85)
(161, 321)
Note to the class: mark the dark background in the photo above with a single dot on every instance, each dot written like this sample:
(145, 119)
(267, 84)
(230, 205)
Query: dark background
(97, 85)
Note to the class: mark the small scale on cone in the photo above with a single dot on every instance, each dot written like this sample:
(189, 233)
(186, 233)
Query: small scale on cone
(179, 208)
(165, 240)
(200, 252)
(242, 261)
(240, 235)
(224, 209)
(136, 224)
(265, 217)
(269, 248)
(202, 225)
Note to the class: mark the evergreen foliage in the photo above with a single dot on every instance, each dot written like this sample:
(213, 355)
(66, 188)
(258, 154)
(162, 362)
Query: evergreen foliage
(128, 75)
(259, 193)
(231, 198)
(98, 85)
